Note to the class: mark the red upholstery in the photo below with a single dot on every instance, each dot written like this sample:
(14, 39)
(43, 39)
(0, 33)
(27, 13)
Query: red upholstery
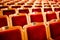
(19, 20)
(36, 32)
(10, 3)
(27, 6)
(57, 9)
(36, 10)
(55, 29)
(23, 11)
(50, 16)
(39, 6)
(16, 6)
(8, 12)
(47, 9)
(20, 3)
(14, 34)
(36, 18)
(3, 21)
(2, 7)
(57, 38)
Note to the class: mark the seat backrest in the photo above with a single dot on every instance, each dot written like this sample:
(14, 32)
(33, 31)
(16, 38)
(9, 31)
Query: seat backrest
(18, 20)
(47, 9)
(16, 6)
(36, 17)
(27, 6)
(24, 11)
(11, 34)
(36, 10)
(3, 21)
(11, 3)
(8, 12)
(35, 32)
(55, 29)
(2, 7)
(57, 9)
(50, 16)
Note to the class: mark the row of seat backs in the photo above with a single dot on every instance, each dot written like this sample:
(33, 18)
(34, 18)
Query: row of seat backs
(50, 30)
(36, 31)
(22, 2)
(35, 9)
(25, 11)
(24, 19)
(30, 6)
(29, 32)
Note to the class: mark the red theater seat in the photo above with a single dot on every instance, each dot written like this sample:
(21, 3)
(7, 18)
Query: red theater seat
(57, 38)
(57, 9)
(10, 3)
(47, 9)
(27, 6)
(2, 7)
(50, 16)
(11, 34)
(8, 12)
(24, 11)
(36, 10)
(3, 21)
(19, 20)
(36, 18)
(55, 29)
(36, 32)
(16, 6)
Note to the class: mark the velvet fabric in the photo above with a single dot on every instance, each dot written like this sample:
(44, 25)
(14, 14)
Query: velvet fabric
(16, 6)
(19, 20)
(50, 16)
(36, 10)
(55, 29)
(3, 22)
(36, 18)
(27, 6)
(47, 9)
(13, 34)
(57, 9)
(36, 32)
(2, 7)
(24, 11)
(8, 12)
(57, 38)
